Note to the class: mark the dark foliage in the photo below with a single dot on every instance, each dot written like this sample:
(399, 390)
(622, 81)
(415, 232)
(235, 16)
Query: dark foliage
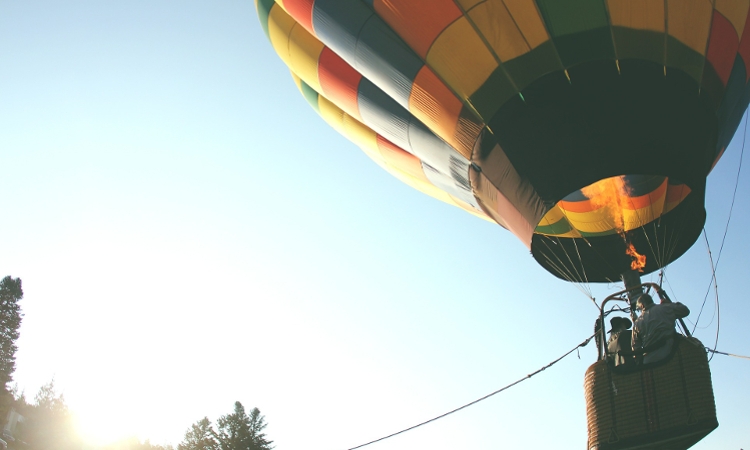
(235, 431)
(257, 425)
(10, 320)
(200, 436)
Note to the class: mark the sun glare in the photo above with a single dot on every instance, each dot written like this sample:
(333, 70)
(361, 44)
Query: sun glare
(99, 429)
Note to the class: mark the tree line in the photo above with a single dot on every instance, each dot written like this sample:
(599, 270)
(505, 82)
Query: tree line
(48, 424)
(237, 430)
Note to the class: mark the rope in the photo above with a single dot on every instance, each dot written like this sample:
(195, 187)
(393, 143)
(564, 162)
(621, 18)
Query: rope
(560, 267)
(563, 271)
(711, 283)
(583, 267)
(726, 354)
(582, 344)
(674, 294)
(567, 255)
(726, 228)
(718, 310)
(716, 289)
(665, 249)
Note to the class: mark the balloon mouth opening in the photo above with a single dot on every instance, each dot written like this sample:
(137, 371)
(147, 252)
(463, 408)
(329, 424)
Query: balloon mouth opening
(614, 205)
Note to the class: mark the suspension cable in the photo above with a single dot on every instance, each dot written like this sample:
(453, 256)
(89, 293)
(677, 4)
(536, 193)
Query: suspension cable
(582, 344)
(654, 251)
(561, 269)
(711, 282)
(714, 267)
(717, 310)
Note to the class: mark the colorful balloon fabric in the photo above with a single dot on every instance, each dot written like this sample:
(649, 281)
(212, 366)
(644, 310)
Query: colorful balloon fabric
(578, 125)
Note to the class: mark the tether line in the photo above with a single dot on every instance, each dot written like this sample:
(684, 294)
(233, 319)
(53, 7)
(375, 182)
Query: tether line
(727, 354)
(582, 344)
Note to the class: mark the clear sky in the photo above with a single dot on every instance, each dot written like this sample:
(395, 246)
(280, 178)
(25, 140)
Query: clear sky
(190, 233)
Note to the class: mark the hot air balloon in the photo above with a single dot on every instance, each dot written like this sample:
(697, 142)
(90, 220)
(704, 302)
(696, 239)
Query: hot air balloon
(586, 128)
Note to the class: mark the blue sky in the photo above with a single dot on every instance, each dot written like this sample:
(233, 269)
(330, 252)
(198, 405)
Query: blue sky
(190, 233)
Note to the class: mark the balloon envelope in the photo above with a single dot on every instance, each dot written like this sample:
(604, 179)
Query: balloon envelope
(579, 125)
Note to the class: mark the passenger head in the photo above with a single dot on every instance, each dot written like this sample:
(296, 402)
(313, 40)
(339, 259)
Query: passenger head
(644, 302)
(619, 324)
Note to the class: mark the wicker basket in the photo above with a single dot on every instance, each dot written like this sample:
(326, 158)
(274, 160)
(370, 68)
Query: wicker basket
(668, 405)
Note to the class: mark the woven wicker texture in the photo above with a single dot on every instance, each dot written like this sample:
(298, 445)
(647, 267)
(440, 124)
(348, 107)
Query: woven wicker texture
(668, 406)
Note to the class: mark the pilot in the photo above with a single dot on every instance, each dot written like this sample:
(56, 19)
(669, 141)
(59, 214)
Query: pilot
(653, 332)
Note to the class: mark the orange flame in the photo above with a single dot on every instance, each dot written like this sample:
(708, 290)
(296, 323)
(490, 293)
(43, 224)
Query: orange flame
(639, 261)
(611, 194)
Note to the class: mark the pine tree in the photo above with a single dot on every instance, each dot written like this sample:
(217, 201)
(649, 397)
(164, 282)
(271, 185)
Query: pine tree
(10, 320)
(200, 436)
(257, 425)
(234, 430)
(238, 431)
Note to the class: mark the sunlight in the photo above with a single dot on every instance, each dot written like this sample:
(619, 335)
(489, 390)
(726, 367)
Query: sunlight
(100, 429)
